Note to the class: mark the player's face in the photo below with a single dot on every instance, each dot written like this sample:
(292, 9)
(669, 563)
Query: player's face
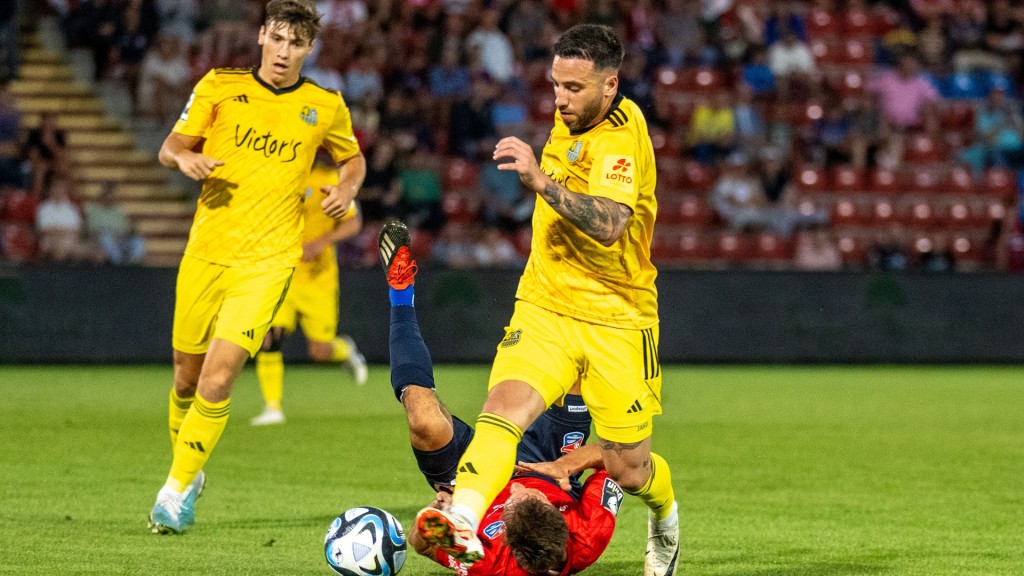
(582, 94)
(283, 53)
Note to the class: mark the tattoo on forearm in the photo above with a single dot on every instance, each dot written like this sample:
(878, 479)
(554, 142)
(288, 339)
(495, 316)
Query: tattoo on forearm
(619, 447)
(599, 218)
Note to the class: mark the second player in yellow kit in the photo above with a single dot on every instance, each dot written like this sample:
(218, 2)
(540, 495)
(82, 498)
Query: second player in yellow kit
(586, 308)
(250, 135)
(312, 300)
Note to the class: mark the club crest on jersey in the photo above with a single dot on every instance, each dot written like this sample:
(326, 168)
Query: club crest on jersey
(493, 528)
(611, 496)
(309, 115)
(571, 441)
(511, 339)
(575, 151)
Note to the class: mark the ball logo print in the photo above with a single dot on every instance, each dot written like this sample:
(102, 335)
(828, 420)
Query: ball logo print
(365, 541)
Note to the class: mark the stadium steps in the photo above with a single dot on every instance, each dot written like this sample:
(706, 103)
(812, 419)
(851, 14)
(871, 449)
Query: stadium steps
(103, 150)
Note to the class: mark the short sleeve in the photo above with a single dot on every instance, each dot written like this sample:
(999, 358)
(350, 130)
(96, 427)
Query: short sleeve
(198, 113)
(340, 140)
(598, 507)
(613, 173)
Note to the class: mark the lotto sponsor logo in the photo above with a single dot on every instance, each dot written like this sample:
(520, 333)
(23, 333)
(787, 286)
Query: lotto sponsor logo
(618, 169)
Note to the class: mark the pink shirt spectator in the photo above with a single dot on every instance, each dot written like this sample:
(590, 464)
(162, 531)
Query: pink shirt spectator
(903, 100)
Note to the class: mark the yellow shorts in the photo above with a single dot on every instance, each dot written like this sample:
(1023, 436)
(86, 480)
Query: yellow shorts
(313, 305)
(233, 304)
(618, 368)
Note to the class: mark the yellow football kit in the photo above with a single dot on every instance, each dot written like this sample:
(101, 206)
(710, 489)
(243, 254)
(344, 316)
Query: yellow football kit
(584, 310)
(247, 234)
(312, 300)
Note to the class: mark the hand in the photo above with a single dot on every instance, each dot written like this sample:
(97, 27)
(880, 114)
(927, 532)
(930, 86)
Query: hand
(195, 165)
(338, 200)
(553, 470)
(523, 161)
(311, 250)
(442, 501)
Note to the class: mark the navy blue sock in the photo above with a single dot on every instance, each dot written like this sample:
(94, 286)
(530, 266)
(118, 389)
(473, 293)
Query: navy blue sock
(439, 466)
(402, 297)
(410, 359)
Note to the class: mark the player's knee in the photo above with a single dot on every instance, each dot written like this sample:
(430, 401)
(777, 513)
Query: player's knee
(631, 479)
(272, 341)
(320, 351)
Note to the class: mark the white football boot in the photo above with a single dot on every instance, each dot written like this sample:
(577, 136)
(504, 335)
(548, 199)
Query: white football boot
(662, 556)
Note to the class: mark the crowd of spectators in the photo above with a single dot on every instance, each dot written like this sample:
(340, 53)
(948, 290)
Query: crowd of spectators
(778, 85)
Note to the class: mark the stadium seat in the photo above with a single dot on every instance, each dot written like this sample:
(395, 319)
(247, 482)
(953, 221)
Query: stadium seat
(826, 51)
(922, 148)
(956, 214)
(664, 143)
(885, 181)
(852, 247)
(734, 247)
(822, 24)
(460, 174)
(920, 215)
(967, 249)
(695, 210)
(849, 83)
(858, 24)
(811, 180)
(962, 182)
(771, 246)
(856, 51)
(926, 181)
(19, 207)
(958, 117)
(847, 179)
(883, 211)
(693, 245)
(702, 79)
(698, 177)
(461, 205)
(848, 212)
(1000, 183)
(523, 239)
(17, 241)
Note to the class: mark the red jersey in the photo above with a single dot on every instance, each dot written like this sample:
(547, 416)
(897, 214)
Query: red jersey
(591, 521)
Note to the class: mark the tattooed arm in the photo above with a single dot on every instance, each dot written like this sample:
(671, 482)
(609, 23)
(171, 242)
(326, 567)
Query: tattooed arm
(600, 218)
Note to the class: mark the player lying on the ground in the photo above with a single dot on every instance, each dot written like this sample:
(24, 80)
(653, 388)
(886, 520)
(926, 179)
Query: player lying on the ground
(536, 525)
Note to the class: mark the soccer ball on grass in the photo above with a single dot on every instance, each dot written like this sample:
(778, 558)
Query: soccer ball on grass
(365, 541)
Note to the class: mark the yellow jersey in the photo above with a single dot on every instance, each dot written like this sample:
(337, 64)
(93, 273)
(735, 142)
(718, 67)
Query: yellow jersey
(325, 266)
(569, 272)
(250, 210)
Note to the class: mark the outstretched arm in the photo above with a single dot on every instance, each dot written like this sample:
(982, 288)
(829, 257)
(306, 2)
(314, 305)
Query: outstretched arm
(603, 219)
(583, 458)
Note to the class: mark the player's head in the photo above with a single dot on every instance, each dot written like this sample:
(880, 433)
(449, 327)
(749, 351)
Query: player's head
(535, 531)
(286, 38)
(585, 73)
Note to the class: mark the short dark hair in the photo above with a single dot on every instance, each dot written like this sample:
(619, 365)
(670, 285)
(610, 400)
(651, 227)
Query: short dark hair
(591, 42)
(300, 15)
(536, 533)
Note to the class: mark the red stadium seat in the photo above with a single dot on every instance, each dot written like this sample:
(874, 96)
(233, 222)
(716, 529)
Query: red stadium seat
(1000, 183)
(17, 241)
(852, 248)
(923, 148)
(460, 174)
(858, 24)
(958, 117)
(847, 179)
(734, 247)
(19, 207)
(826, 51)
(848, 212)
(962, 182)
(921, 215)
(885, 181)
(664, 143)
(698, 177)
(772, 246)
(523, 239)
(543, 108)
(967, 249)
(810, 180)
(693, 245)
(822, 24)
(857, 52)
(461, 205)
(695, 210)
(957, 214)
(926, 181)
(883, 211)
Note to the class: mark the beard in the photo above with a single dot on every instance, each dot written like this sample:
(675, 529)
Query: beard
(585, 116)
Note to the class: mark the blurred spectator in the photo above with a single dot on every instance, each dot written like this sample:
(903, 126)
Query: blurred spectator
(751, 130)
(641, 21)
(46, 150)
(226, 28)
(454, 247)
(450, 36)
(108, 225)
(10, 138)
(867, 130)
(495, 250)
(505, 202)
(932, 45)
(831, 140)
(94, 24)
(1004, 34)
(177, 18)
(9, 39)
(757, 74)
(59, 225)
(165, 80)
(348, 16)
(937, 256)
(362, 77)
(134, 36)
(493, 47)
(508, 114)
(603, 12)
(678, 31)
(17, 221)
(421, 193)
(449, 79)
(366, 118)
(524, 20)
(634, 84)
(888, 253)
(321, 71)
(966, 35)
(999, 128)
(785, 19)
(791, 61)
(908, 101)
(712, 129)
(815, 250)
(471, 127)
(381, 192)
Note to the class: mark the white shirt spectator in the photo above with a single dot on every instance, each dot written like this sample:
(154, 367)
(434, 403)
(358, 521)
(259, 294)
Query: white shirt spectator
(345, 15)
(494, 47)
(790, 57)
(59, 214)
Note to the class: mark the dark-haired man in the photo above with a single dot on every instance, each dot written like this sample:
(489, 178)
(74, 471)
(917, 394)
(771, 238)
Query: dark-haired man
(259, 129)
(587, 306)
(534, 525)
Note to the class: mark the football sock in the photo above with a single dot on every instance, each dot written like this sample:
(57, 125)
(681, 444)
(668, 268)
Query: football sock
(410, 359)
(197, 438)
(438, 466)
(486, 466)
(340, 350)
(270, 373)
(178, 408)
(657, 492)
(402, 297)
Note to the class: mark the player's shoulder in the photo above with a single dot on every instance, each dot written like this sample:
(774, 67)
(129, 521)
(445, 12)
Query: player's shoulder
(625, 115)
(307, 81)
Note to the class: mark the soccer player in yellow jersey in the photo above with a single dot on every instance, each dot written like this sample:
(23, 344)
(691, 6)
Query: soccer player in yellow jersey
(259, 130)
(312, 300)
(586, 307)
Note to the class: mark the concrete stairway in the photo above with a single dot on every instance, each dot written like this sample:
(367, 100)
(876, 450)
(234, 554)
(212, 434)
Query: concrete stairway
(103, 150)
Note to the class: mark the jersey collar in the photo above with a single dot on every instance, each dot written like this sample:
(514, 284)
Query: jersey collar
(277, 91)
(612, 108)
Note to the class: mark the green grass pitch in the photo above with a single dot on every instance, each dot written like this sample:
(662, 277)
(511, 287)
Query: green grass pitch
(818, 471)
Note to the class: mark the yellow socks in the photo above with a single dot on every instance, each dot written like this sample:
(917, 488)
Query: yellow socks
(657, 493)
(197, 438)
(270, 373)
(486, 465)
(178, 407)
(340, 350)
